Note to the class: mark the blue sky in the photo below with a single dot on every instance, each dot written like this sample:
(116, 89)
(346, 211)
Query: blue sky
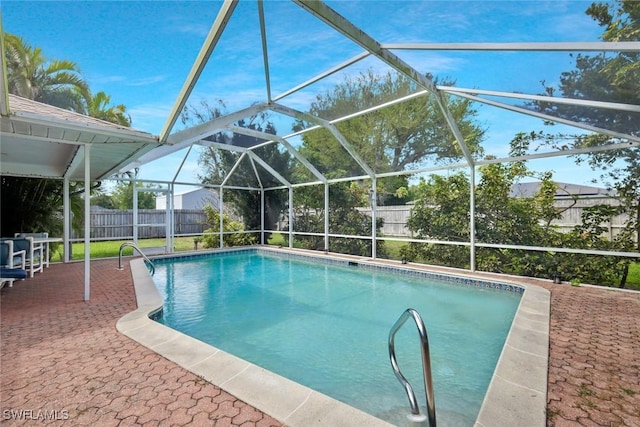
(141, 52)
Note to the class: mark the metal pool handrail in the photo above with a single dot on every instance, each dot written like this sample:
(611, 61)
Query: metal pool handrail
(134, 246)
(426, 368)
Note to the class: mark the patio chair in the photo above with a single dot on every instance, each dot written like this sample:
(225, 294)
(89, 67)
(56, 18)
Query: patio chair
(10, 257)
(33, 253)
(12, 263)
(45, 245)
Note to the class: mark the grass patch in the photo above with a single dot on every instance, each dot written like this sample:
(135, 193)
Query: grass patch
(277, 239)
(628, 391)
(588, 404)
(633, 279)
(585, 391)
(393, 249)
(552, 413)
(110, 248)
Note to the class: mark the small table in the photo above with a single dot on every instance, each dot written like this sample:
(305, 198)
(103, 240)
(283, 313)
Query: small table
(44, 242)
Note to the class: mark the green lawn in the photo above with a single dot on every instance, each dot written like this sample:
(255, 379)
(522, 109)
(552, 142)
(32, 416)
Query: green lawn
(633, 281)
(108, 249)
(277, 239)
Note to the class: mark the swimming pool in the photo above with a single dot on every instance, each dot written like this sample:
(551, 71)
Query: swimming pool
(326, 326)
(317, 307)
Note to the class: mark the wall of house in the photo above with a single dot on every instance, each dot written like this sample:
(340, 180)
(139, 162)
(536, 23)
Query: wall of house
(195, 199)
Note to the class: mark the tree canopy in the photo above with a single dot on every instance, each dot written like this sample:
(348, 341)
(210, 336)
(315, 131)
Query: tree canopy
(99, 106)
(122, 196)
(442, 210)
(31, 75)
(31, 204)
(394, 138)
(218, 163)
(612, 78)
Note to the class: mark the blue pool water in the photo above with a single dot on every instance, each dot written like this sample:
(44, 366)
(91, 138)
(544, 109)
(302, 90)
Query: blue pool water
(326, 327)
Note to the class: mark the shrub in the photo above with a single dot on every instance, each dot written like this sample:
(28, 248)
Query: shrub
(228, 225)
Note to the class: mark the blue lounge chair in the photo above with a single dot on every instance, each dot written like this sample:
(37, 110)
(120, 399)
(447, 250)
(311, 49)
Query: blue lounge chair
(9, 275)
(10, 256)
(32, 254)
(12, 263)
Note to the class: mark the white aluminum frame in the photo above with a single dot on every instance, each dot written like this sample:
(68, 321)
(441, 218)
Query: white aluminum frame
(371, 47)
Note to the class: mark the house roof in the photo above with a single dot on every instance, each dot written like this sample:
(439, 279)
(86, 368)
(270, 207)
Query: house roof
(43, 141)
(529, 189)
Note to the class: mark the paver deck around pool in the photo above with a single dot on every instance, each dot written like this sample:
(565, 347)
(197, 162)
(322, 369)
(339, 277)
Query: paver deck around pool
(62, 359)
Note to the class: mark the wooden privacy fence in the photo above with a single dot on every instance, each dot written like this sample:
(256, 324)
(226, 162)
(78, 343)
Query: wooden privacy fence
(395, 217)
(572, 214)
(118, 224)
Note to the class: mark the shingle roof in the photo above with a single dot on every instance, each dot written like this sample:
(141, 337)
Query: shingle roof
(40, 140)
(528, 189)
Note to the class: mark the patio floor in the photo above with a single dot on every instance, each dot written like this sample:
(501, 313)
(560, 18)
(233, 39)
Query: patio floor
(62, 359)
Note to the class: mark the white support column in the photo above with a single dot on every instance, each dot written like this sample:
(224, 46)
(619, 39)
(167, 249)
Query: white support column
(169, 219)
(66, 215)
(374, 214)
(262, 217)
(135, 212)
(326, 216)
(472, 219)
(221, 218)
(290, 217)
(87, 221)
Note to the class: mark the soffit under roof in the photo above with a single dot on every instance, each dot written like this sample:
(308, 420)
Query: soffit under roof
(43, 141)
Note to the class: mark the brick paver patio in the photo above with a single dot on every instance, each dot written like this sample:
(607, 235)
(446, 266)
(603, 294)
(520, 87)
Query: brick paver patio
(62, 358)
(594, 357)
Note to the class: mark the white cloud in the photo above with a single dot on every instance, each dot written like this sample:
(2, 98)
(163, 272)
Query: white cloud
(145, 80)
(103, 79)
(179, 24)
(150, 117)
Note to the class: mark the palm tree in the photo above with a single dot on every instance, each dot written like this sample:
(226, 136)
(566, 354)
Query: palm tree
(32, 204)
(99, 108)
(55, 82)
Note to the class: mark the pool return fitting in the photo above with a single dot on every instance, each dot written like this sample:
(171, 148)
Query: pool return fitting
(134, 246)
(415, 418)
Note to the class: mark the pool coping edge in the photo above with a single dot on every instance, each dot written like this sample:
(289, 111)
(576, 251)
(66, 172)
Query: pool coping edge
(517, 393)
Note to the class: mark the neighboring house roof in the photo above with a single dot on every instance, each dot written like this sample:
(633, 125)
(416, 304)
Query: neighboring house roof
(43, 141)
(529, 189)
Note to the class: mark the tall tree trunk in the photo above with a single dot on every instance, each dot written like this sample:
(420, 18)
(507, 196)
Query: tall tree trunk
(638, 225)
(625, 273)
